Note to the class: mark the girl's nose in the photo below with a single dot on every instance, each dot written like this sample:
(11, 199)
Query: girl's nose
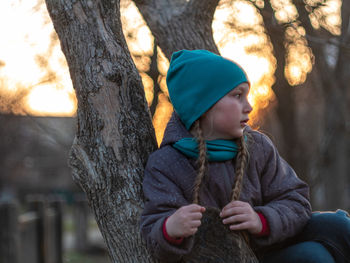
(248, 108)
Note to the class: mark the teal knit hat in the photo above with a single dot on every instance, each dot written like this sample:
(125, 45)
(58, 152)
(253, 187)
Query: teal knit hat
(197, 79)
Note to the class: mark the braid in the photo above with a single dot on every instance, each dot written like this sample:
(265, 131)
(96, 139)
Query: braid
(202, 161)
(241, 163)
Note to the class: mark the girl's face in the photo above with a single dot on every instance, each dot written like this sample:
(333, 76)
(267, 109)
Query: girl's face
(228, 117)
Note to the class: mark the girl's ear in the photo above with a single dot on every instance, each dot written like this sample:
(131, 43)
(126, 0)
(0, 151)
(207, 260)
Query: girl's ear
(193, 130)
(207, 124)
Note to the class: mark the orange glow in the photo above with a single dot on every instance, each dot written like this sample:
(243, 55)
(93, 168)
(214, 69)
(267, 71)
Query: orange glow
(47, 100)
(148, 86)
(328, 16)
(50, 88)
(162, 116)
(258, 65)
(285, 11)
(245, 13)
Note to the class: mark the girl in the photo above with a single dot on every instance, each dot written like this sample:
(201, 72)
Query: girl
(206, 149)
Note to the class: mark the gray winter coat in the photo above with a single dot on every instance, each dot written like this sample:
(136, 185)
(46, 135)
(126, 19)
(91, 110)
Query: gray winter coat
(270, 186)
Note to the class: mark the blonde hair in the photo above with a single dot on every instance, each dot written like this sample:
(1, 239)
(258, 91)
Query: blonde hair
(241, 162)
(201, 161)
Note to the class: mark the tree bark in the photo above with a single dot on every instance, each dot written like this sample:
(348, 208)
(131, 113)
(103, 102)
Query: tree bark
(179, 24)
(114, 130)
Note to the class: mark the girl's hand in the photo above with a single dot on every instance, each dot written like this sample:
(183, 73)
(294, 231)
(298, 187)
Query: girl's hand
(241, 216)
(185, 221)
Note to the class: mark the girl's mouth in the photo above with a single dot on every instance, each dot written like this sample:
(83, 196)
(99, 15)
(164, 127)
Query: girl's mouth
(244, 122)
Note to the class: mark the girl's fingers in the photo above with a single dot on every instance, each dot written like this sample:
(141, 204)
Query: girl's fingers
(236, 219)
(195, 224)
(192, 229)
(195, 208)
(248, 222)
(196, 216)
(234, 211)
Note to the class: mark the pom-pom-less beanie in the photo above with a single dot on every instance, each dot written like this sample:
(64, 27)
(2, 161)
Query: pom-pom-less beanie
(197, 79)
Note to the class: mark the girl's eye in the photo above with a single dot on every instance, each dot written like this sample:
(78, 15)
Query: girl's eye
(238, 96)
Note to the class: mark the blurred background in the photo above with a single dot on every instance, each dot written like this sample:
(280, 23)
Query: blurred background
(50, 215)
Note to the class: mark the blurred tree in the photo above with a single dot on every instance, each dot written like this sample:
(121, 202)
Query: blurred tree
(330, 77)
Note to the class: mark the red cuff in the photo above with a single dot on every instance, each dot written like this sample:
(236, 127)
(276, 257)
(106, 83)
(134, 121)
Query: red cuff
(265, 231)
(175, 241)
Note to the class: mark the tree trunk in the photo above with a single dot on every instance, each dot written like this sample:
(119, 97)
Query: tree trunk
(178, 24)
(114, 129)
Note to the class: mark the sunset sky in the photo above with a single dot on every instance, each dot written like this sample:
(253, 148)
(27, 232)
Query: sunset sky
(30, 55)
(26, 32)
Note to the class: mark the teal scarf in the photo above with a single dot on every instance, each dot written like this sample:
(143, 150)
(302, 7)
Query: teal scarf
(217, 150)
